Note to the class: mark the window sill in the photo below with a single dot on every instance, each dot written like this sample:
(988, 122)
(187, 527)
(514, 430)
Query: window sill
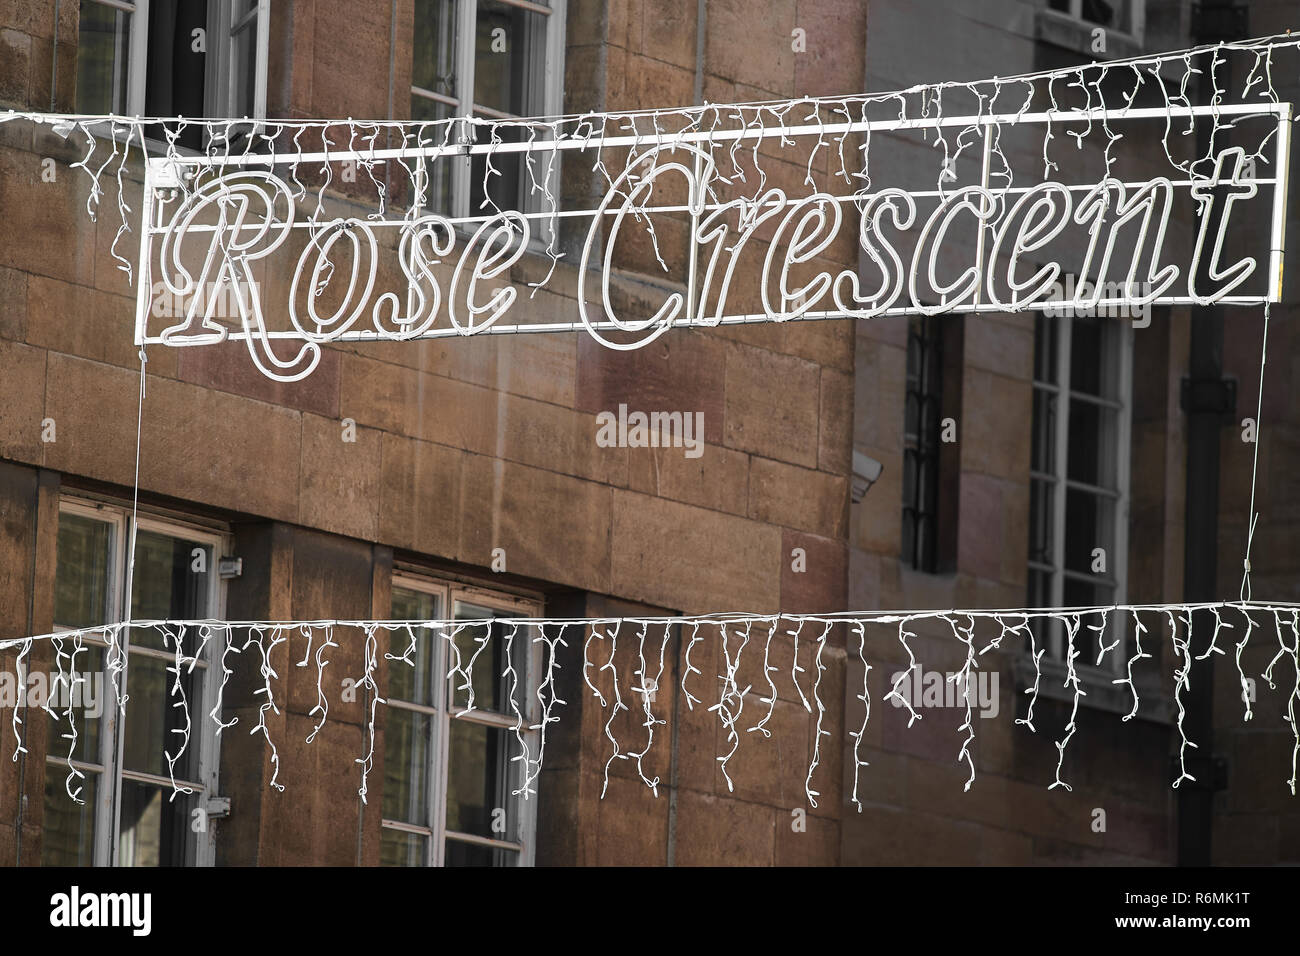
(1099, 691)
(1062, 30)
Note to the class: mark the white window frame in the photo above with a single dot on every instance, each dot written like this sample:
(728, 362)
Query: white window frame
(1058, 478)
(1133, 30)
(447, 594)
(110, 768)
(220, 84)
(463, 105)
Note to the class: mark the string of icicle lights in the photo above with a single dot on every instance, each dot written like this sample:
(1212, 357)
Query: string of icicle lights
(292, 171)
(306, 153)
(742, 694)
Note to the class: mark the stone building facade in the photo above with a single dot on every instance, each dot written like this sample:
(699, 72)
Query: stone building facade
(469, 452)
(461, 448)
(1120, 768)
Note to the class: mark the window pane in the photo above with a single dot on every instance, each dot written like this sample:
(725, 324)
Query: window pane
(151, 718)
(922, 422)
(912, 409)
(910, 516)
(438, 172)
(1089, 524)
(508, 183)
(459, 853)
(507, 56)
(410, 605)
(398, 848)
(1093, 434)
(1040, 588)
(433, 54)
(1043, 455)
(155, 829)
(1041, 521)
(479, 781)
(407, 745)
(1093, 358)
(103, 39)
(1046, 333)
(1040, 595)
(175, 72)
(170, 583)
(488, 674)
(81, 580)
(414, 682)
(68, 837)
(433, 68)
(243, 60)
(88, 699)
(509, 77)
(1088, 594)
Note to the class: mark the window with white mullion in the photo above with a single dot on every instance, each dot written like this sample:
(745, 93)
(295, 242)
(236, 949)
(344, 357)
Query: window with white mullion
(486, 60)
(241, 82)
(174, 578)
(109, 78)
(412, 728)
(450, 773)
(191, 58)
(1079, 471)
(486, 823)
(131, 818)
(87, 593)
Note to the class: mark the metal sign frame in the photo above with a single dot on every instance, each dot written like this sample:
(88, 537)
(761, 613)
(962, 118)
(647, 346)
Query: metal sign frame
(244, 193)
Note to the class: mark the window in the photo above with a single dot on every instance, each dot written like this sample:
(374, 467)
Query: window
(1078, 494)
(495, 59)
(129, 817)
(931, 463)
(188, 58)
(1123, 16)
(450, 777)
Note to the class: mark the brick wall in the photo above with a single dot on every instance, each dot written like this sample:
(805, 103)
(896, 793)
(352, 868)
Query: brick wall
(462, 446)
(916, 810)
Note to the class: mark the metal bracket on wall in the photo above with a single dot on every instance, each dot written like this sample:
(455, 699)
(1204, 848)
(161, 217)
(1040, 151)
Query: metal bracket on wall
(1216, 396)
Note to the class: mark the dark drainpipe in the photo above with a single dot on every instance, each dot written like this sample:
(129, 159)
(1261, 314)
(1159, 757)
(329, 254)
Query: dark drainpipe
(1209, 401)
